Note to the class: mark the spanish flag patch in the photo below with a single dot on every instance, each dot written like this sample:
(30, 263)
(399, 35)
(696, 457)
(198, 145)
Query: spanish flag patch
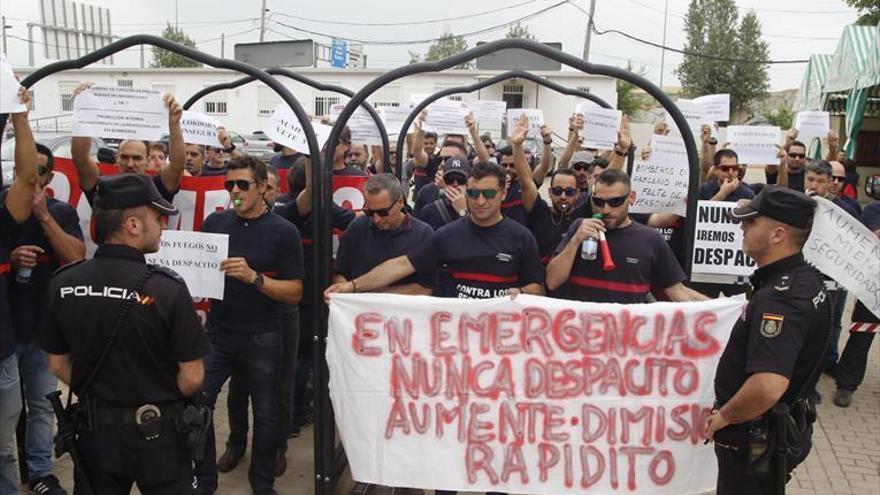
(771, 325)
(145, 300)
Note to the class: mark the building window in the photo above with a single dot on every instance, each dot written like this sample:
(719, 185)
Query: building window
(125, 83)
(512, 93)
(323, 104)
(65, 90)
(387, 96)
(267, 100)
(215, 103)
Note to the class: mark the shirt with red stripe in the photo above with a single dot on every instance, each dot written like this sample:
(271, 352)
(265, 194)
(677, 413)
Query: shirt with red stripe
(8, 226)
(27, 302)
(481, 262)
(512, 207)
(271, 245)
(548, 226)
(643, 262)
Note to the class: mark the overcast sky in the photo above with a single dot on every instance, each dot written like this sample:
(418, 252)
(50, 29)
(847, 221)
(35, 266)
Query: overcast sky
(794, 29)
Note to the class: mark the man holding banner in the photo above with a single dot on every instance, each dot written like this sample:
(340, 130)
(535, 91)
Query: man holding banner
(772, 360)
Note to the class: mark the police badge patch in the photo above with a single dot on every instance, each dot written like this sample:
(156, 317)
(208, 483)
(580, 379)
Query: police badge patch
(771, 325)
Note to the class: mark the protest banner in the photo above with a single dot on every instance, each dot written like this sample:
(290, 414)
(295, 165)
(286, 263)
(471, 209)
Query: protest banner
(841, 247)
(600, 127)
(394, 118)
(661, 184)
(716, 108)
(693, 113)
(196, 257)
(755, 145)
(447, 117)
(199, 128)
(488, 112)
(535, 116)
(718, 242)
(363, 128)
(584, 105)
(283, 127)
(812, 125)
(121, 113)
(535, 395)
(9, 88)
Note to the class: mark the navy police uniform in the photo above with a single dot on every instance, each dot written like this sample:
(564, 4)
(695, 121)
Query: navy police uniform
(784, 330)
(160, 330)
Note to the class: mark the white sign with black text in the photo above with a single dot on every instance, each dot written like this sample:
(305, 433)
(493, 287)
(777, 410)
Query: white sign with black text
(120, 113)
(661, 183)
(600, 127)
(9, 88)
(755, 144)
(199, 128)
(196, 257)
(283, 127)
(812, 125)
(718, 242)
(489, 112)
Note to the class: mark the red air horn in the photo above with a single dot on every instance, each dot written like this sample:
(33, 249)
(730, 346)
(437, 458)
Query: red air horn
(607, 262)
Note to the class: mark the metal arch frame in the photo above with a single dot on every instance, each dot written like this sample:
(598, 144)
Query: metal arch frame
(519, 74)
(308, 82)
(322, 195)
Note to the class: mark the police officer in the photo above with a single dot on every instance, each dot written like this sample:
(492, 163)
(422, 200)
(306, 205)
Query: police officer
(126, 339)
(774, 352)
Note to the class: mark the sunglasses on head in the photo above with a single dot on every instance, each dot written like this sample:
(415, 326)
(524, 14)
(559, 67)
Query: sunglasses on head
(727, 168)
(456, 179)
(612, 202)
(487, 193)
(243, 185)
(797, 155)
(835, 178)
(559, 191)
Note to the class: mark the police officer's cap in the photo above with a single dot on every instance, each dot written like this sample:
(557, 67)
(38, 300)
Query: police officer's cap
(779, 203)
(131, 190)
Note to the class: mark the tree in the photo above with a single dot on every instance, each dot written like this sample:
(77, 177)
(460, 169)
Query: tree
(519, 31)
(629, 101)
(164, 58)
(447, 46)
(713, 31)
(869, 11)
(782, 117)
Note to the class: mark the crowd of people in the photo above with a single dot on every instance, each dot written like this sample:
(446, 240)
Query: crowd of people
(471, 221)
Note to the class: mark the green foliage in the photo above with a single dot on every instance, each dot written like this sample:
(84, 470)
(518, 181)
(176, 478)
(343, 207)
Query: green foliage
(869, 11)
(519, 31)
(629, 101)
(164, 58)
(782, 117)
(447, 46)
(713, 27)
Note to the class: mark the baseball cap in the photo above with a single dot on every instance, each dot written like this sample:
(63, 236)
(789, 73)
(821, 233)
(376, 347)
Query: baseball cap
(779, 203)
(584, 157)
(130, 190)
(456, 165)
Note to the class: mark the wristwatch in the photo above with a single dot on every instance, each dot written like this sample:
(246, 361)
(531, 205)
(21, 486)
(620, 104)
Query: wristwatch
(230, 149)
(619, 151)
(462, 212)
(258, 281)
(713, 141)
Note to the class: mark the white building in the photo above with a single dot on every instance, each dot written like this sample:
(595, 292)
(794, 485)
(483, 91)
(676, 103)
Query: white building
(247, 108)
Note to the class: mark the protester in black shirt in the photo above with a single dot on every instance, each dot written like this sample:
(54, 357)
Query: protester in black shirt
(131, 158)
(725, 185)
(264, 270)
(15, 209)
(486, 254)
(215, 162)
(430, 192)
(643, 262)
(286, 158)
(447, 204)
(790, 172)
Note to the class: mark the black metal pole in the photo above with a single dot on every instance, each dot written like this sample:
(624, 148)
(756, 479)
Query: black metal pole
(519, 74)
(308, 82)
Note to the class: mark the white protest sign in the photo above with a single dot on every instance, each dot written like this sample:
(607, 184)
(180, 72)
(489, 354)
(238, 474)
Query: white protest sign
(363, 128)
(283, 127)
(446, 117)
(661, 184)
(812, 125)
(535, 116)
(490, 390)
(394, 118)
(600, 127)
(121, 113)
(196, 257)
(199, 128)
(9, 88)
(841, 247)
(716, 108)
(583, 106)
(693, 113)
(754, 145)
(718, 242)
(488, 111)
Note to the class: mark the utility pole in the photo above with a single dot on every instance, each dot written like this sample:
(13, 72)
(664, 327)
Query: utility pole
(176, 16)
(3, 28)
(30, 27)
(663, 50)
(222, 45)
(263, 22)
(589, 31)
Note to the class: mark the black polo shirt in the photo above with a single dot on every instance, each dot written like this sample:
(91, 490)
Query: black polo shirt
(431, 213)
(512, 207)
(672, 234)
(213, 172)
(711, 188)
(363, 247)
(160, 330)
(783, 330)
(795, 180)
(426, 195)
(280, 161)
(27, 301)
(8, 226)
(482, 262)
(422, 176)
(871, 215)
(157, 180)
(548, 226)
(643, 263)
(847, 207)
(272, 246)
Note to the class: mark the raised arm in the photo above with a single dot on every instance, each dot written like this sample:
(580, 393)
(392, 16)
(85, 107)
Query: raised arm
(482, 152)
(707, 153)
(624, 142)
(523, 171)
(172, 172)
(68, 247)
(20, 199)
(833, 146)
(420, 158)
(575, 124)
(80, 152)
(545, 167)
(304, 198)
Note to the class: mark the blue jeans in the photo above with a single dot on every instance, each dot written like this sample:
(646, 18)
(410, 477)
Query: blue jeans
(256, 359)
(38, 381)
(10, 408)
(831, 355)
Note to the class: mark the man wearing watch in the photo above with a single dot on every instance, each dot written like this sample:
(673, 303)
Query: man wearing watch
(264, 270)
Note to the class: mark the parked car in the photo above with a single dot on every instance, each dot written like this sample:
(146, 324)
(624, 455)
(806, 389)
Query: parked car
(256, 144)
(60, 146)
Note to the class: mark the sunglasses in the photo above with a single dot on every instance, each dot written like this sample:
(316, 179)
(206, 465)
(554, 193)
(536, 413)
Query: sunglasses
(797, 155)
(580, 166)
(509, 166)
(487, 193)
(835, 178)
(728, 168)
(455, 179)
(243, 185)
(382, 212)
(559, 191)
(612, 202)
(218, 150)
(42, 170)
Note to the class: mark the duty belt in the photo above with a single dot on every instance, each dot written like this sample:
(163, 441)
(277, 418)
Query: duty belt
(107, 416)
